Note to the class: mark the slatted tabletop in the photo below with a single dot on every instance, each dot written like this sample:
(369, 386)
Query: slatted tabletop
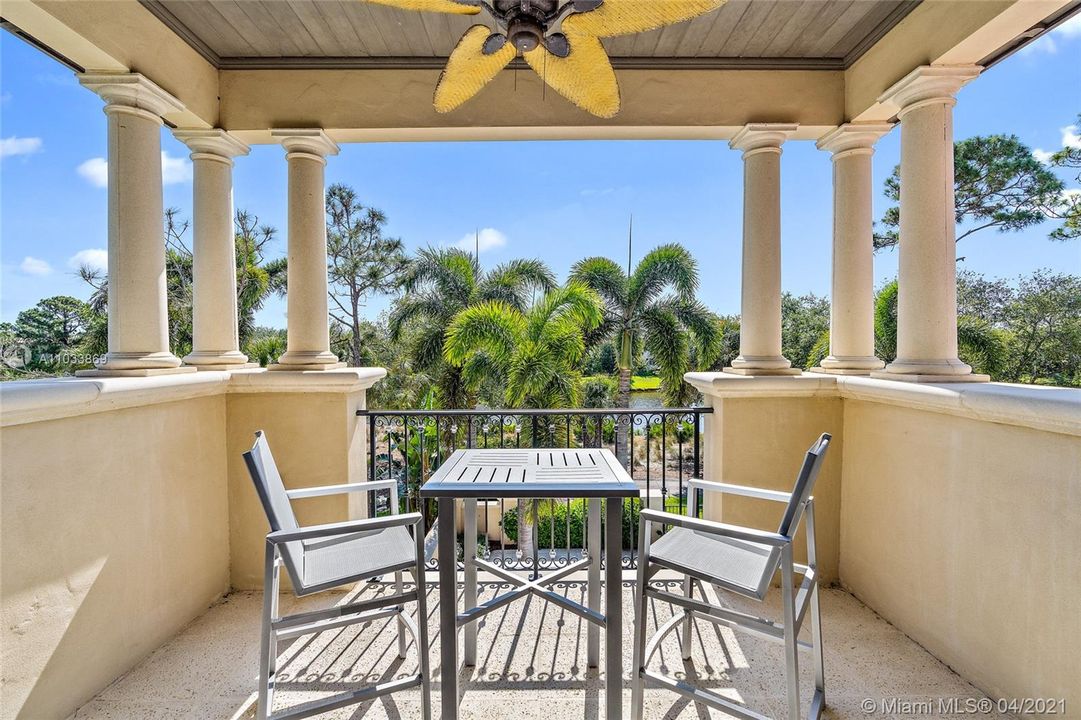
(530, 473)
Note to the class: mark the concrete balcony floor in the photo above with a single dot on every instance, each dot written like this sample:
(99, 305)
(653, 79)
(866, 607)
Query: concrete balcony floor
(531, 663)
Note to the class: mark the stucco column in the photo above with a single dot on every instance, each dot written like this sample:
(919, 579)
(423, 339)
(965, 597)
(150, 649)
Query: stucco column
(760, 307)
(138, 313)
(215, 340)
(852, 332)
(927, 265)
(308, 346)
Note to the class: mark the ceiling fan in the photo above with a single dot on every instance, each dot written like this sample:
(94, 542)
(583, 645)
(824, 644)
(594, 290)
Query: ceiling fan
(559, 39)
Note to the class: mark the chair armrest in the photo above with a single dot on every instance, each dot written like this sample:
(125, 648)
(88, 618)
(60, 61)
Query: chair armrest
(716, 528)
(344, 488)
(745, 490)
(344, 528)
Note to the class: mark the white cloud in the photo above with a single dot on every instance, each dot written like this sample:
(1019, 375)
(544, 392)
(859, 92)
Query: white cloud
(35, 266)
(1043, 156)
(95, 171)
(489, 239)
(19, 146)
(94, 257)
(1070, 137)
(174, 170)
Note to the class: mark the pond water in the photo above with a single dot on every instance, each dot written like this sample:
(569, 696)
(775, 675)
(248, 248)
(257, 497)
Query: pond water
(645, 399)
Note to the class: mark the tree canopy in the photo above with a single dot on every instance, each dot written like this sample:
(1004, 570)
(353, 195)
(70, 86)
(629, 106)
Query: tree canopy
(998, 183)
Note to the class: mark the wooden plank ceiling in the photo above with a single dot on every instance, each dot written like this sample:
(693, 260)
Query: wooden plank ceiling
(298, 33)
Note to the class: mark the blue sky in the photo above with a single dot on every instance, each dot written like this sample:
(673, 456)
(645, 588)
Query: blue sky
(53, 203)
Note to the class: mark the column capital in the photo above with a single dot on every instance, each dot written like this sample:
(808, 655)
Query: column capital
(762, 136)
(309, 141)
(927, 84)
(131, 90)
(212, 142)
(853, 136)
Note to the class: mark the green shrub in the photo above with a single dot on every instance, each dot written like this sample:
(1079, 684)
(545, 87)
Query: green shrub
(555, 518)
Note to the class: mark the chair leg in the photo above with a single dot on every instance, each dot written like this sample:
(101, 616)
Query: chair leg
(816, 640)
(816, 618)
(640, 611)
(269, 645)
(790, 633)
(688, 590)
(401, 623)
(422, 633)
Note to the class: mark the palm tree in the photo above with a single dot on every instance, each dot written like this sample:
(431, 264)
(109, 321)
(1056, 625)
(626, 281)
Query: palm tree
(654, 308)
(439, 284)
(538, 351)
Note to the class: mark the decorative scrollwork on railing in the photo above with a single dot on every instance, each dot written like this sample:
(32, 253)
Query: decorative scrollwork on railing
(661, 449)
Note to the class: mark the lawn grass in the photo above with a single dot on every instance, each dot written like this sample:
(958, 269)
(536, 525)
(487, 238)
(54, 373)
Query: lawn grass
(645, 382)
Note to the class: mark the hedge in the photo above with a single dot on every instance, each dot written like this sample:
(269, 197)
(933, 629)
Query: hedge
(557, 516)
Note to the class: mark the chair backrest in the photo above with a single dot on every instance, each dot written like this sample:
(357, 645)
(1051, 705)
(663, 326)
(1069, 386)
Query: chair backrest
(805, 482)
(276, 504)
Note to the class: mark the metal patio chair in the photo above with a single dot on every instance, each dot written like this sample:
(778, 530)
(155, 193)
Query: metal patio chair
(740, 560)
(323, 557)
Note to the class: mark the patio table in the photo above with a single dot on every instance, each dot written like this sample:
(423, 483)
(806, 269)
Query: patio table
(468, 475)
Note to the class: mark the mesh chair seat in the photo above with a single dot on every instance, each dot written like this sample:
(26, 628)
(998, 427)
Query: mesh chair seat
(332, 561)
(741, 566)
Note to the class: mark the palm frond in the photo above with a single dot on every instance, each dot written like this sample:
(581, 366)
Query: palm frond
(427, 345)
(413, 307)
(491, 327)
(667, 342)
(663, 267)
(511, 281)
(607, 278)
(705, 329)
(576, 302)
(450, 271)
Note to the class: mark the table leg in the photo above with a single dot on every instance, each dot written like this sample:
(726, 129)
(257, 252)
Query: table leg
(593, 586)
(469, 542)
(613, 610)
(448, 611)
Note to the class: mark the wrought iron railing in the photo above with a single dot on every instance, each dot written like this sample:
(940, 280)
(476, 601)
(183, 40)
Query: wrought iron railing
(660, 447)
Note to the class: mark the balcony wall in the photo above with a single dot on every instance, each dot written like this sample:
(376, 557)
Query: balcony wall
(115, 534)
(954, 511)
(127, 511)
(966, 535)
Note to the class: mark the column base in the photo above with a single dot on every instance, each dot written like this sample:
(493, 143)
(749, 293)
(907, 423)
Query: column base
(307, 360)
(849, 365)
(839, 371)
(762, 365)
(216, 358)
(307, 367)
(134, 372)
(227, 367)
(928, 378)
(930, 371)
(136, 364)
(762, 372)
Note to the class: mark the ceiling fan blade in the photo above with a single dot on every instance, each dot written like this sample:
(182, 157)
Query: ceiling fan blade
(625, 17)
(585, 76)
(442, 6)
(468, 69)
